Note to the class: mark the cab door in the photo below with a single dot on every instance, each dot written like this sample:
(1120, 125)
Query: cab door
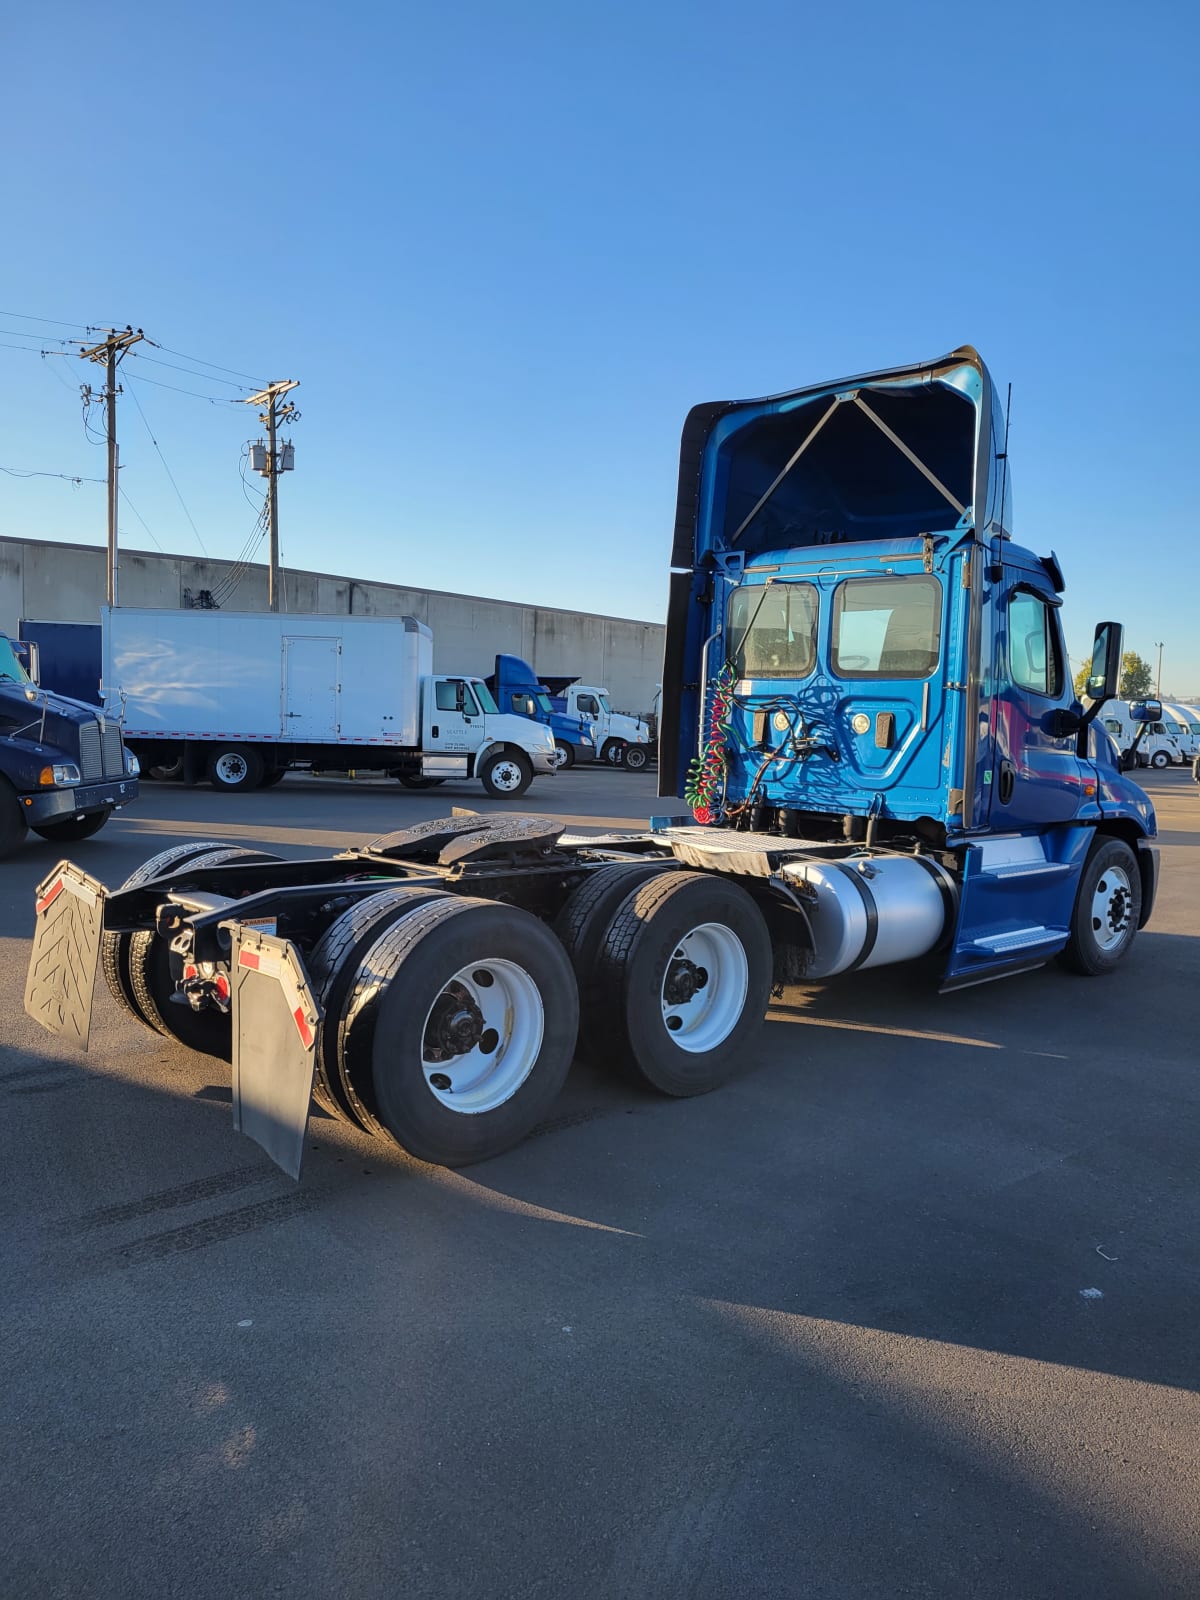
(455, 722)
(1037, 779)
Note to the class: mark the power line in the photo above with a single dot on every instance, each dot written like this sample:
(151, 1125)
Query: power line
(168, 472)
(138, 515)
(190, 372)
(57, 322)
(199, 361)
(70, 477)
(213, 399)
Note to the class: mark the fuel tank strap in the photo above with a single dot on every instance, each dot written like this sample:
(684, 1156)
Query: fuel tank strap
(947, 890)
(869, 907)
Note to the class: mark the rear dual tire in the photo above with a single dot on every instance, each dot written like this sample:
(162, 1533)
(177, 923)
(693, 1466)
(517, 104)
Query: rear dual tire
(675, 976)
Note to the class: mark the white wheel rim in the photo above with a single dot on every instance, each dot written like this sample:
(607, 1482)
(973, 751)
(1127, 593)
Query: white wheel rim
(506, 775)
(498, 1004)
(711, 963)
(635, 758)
(1112, 903)
(559, 757)
(231, 768)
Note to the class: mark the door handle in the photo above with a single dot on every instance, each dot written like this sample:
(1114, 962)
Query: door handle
(1008, 781)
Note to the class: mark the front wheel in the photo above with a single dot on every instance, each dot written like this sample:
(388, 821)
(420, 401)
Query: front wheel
(73, 829)
(12, 819)
(1108, 908)
(1160, 759)
(614, 753)
(564, 755)
(683, 979)
(464, 1014)
(235, 768)
(506, 774)
(411, 781)
(636, 757)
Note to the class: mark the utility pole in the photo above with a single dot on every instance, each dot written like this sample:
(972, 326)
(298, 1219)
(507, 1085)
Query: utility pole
(272, 417)
(110, 352)
(1158, 680)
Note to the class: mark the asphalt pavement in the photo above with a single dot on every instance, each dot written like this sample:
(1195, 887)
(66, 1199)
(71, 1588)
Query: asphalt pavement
(908, 1309)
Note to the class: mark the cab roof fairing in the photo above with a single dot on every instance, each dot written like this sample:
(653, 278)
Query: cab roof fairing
(893, 453)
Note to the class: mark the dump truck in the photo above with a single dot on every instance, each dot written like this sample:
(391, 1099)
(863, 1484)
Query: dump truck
(868, 709)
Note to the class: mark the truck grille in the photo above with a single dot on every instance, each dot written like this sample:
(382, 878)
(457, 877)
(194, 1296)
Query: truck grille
(100, 755)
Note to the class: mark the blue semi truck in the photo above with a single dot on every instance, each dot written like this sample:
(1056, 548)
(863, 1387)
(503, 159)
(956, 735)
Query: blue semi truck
(518, 690)
(64, 768)
(868, 708)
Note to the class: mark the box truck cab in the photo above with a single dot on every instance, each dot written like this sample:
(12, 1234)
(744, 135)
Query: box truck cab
(1142, 743)
(619, 739)
(64, 769)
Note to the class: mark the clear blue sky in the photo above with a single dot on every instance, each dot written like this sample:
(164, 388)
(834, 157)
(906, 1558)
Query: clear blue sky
(505, 247)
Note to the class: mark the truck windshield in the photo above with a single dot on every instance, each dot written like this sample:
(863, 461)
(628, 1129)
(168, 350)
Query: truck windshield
(886, 627)
(772, 630)
(543, 701)
(485, 696)
(604, 704)
(10, 668)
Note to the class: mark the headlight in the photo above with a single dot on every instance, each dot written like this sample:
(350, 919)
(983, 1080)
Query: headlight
(132, 765)
(63, 774)
(585, 738)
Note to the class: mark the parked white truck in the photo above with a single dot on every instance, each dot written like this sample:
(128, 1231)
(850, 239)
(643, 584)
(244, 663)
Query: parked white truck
(1183, 724)
(1141, 744)
(239, 697)
(619, 739)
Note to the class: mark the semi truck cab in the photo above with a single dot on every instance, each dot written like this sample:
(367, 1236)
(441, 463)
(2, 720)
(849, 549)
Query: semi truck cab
(518, 691)
(858, 650)
(617, 738)
(64, 768)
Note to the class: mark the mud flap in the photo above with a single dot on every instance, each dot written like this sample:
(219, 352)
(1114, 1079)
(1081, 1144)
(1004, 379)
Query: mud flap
(275, 1020)
(66, 953)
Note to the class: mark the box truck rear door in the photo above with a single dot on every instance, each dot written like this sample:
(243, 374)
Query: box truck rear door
(310, 688)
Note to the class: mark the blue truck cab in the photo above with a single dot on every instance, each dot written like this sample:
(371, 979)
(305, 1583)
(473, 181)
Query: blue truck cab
(861, 660)
(518, 689)
(64, 768)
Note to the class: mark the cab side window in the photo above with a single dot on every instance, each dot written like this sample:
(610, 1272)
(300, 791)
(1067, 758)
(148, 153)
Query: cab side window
(523, 705)
(1034, 657)
(587, 705)
(446, 696)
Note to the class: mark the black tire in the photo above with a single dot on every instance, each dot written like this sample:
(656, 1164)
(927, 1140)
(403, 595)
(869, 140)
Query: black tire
(385, 1026)
(410, 781)
(164, 771)
(566, 752)
(1160, 759)
(114, 947)
(332, 965)
(73, 829)
(12, 819)
(152, 981)
(636, 757)
(614, 753)
(236, 768)
(582, 926)
(1085, 953)
(506, 774)
(642, 949)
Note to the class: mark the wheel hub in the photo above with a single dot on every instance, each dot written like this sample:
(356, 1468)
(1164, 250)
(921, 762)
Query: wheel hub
(455, 1026)
(684, 979)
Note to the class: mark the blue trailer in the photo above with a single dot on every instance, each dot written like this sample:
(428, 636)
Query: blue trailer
(868, 707)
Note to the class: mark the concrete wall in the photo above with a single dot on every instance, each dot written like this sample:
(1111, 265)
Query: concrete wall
(65, 583)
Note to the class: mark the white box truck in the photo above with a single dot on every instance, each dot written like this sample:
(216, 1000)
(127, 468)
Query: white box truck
(1141, 744)
(239, 697)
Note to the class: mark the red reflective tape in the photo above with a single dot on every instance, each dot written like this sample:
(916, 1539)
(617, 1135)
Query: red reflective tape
(247, 958)
(302, 1028)
(50, 896)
